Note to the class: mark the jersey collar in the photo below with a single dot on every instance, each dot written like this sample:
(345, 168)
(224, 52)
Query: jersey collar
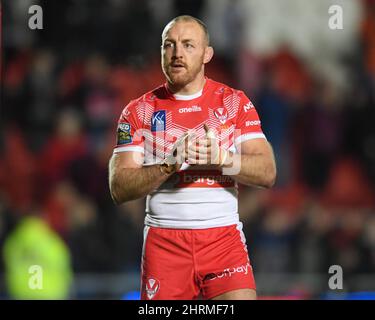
(181, 97)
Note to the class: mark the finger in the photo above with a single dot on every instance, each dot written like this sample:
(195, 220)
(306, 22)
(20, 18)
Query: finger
(196, 155)
(191, 139)
(205, 148)
(184, 139)
(181, 139)
(198, 162)
(204, 142)
(192, 134)
(200, 149)
(209, 133)
(180, 154)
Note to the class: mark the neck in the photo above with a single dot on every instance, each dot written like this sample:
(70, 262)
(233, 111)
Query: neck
(188, 89)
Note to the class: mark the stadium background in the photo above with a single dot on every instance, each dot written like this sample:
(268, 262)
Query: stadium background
(63, 88)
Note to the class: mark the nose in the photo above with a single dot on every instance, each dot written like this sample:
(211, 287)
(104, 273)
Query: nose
(177, 52)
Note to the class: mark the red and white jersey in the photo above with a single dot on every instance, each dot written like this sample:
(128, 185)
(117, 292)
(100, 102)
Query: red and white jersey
(192, 198)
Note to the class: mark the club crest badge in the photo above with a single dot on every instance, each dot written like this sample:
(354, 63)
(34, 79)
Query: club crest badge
(152, 287)
(221, 114)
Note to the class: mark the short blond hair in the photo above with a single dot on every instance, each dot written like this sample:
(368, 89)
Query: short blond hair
(187, 18)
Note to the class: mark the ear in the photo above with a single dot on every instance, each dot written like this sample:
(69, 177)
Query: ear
(208, 54)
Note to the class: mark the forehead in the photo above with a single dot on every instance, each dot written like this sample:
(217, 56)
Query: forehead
(183, 30)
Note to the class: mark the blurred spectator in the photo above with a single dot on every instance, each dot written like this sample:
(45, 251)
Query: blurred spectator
(89, 173)
(33, 243)
(321, 127)
(313, 248)
(368, 37)
(67, 144)
(8, 220)
(87, 87)
(368, 242)
(348, 186)
(18, 174)
(226, 21)
(41, 96)
(16, 35)
(359, 135)
(16, 70)
(58, 204)
(272, 242)
(349, 251)
(89, 252)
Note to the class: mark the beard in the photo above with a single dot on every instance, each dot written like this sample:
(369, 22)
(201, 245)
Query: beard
(184, 76)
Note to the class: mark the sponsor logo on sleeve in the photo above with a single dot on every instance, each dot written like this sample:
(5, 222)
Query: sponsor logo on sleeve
(124, 134)
(248, 107)
(252, 123)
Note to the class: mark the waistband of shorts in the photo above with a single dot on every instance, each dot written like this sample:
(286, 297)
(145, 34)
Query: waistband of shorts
(232, 225)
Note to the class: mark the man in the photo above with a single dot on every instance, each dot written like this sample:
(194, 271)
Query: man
(185, 145)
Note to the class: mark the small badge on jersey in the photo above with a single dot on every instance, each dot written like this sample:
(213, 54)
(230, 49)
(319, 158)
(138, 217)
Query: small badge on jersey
(152, 287)
(158, 121)
(123, 134)
(126, 112)
(221, 114)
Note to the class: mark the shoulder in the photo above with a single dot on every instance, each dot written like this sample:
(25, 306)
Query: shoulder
(145, 101)
(225, 90)
(158, 93)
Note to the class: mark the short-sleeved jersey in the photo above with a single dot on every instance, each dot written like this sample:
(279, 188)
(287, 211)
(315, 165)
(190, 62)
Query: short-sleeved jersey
(191, 198)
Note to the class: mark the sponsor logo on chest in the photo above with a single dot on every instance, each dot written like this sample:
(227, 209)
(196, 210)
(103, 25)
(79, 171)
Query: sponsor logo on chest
(158, 121)
(190, 109)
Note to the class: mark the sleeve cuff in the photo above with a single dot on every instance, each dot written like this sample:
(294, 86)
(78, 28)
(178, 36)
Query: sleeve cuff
(249, 136)
(129, 149)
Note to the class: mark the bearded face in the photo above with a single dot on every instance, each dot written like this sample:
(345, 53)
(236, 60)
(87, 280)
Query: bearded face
(183, 53)
(181, 72)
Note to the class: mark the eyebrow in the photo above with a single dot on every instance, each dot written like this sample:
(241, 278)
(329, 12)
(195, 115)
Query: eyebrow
(183, 41)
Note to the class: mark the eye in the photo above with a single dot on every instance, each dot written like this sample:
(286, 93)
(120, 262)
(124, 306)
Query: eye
(188, 45)
(168, 45)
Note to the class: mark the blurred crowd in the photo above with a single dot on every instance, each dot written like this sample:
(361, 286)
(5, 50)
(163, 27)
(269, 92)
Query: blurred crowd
(64, 87)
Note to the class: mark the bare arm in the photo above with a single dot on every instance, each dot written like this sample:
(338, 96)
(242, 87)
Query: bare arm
(256, 164)
(129, 180)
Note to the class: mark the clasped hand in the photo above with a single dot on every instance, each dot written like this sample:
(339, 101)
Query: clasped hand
(203, 151)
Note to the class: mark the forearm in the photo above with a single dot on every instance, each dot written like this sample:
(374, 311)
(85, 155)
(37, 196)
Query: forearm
(254, 169)
(128, 184)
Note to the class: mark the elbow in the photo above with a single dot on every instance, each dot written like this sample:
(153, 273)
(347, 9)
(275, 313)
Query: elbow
(270, 177)
(115, 198)
(118, 197)
(121, 194)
